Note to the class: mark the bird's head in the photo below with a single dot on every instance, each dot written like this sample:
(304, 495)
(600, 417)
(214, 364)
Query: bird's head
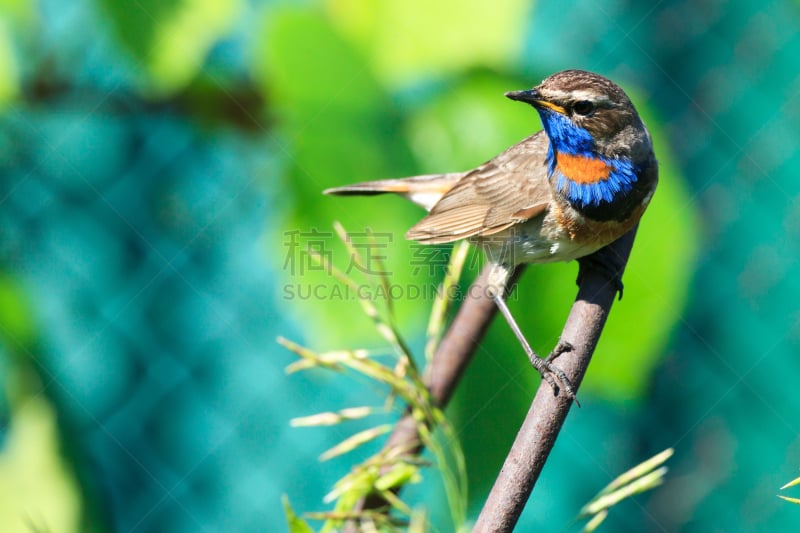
(600, 157)
(584, 113)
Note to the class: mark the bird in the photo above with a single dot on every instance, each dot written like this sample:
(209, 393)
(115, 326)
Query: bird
(561, 194)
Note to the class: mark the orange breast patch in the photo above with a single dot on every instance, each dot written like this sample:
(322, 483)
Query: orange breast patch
(581, 169)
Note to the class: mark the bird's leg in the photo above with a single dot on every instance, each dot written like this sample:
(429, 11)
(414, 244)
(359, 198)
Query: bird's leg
(605, 262)
(554, 376)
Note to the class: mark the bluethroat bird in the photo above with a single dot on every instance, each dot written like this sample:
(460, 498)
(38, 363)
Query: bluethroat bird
(561, 194)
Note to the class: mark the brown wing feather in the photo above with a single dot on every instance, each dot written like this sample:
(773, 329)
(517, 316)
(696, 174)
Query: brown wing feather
(509, 189)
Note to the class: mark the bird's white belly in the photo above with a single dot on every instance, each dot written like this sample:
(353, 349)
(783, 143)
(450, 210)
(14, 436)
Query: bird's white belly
(536, 250)
(521, 247)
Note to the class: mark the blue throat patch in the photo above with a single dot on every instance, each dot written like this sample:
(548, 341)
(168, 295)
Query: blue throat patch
(566, 136)
(568, 139)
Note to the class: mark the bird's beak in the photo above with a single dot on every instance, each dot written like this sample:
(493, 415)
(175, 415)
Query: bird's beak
(535, 98)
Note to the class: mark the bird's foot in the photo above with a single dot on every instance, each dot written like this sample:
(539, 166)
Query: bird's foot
(553, 375)
(561, 347)
(607, 263)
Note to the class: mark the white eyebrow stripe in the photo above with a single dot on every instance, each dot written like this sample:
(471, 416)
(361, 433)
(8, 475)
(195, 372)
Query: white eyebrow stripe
(557, 94)
(592, 96)
(587, 95)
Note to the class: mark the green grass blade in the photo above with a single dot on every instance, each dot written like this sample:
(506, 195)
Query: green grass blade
(444, 297)
(354, 441)
(294, 522)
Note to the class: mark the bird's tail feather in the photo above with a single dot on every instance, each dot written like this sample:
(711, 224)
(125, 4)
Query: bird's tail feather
(424, 190)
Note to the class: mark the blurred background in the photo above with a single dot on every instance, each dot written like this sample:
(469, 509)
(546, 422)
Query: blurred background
(161, 163)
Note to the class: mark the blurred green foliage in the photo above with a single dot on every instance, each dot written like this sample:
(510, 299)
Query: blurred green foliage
(15, 313)
(9, 85)
(170, 38)
(15, 18)
(405, 41)
(38, 491)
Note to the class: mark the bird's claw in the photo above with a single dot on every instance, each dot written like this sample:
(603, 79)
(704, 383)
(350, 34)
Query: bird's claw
(561, 347)
(553, 375)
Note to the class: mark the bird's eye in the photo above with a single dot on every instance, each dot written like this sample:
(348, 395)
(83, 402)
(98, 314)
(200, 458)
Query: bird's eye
(583, 107)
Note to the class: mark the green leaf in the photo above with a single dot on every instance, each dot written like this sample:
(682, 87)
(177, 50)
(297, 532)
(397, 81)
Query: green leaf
(401, 474)
(640, 470)
(294, 522)
(645, 476)
(792, 483)
(354, 441)
(595, 522)
(330, 418)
